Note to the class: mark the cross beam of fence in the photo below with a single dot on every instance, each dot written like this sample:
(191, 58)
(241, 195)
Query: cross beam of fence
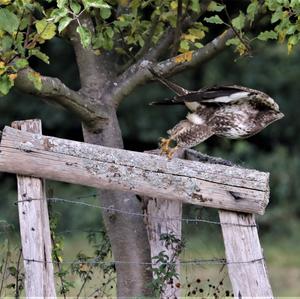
(205, 184)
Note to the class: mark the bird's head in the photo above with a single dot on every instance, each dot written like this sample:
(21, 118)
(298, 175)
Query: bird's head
(269, 116)
(270, 110)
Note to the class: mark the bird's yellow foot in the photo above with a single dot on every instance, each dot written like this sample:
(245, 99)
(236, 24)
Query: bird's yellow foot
(171, 152)
(165, 147)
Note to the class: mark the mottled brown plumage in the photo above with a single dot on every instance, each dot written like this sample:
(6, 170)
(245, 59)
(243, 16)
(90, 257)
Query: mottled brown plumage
(227, 111)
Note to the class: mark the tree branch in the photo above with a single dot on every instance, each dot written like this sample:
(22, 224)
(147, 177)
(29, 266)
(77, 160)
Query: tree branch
(167, 39)
(138, 73)
(173, 65)
(58, 92)
(178, 29)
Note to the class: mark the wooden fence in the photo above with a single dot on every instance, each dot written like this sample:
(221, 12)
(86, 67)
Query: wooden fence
(237, 193)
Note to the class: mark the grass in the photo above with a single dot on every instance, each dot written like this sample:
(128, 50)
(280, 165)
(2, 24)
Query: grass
(282, 256)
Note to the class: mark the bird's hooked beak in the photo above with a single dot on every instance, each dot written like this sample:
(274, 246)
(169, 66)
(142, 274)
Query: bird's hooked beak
(279, 115)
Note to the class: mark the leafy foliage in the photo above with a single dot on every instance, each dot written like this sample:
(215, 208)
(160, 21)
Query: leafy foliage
(164, 265)
(128, 27)
(11, 273)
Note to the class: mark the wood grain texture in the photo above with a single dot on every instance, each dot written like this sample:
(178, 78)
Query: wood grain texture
(34, 229)
(246, 266)
(210, 185)
(164, 217)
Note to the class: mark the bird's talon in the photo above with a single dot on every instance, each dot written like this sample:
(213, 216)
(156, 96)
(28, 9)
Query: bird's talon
(165, 148)
(171, 152)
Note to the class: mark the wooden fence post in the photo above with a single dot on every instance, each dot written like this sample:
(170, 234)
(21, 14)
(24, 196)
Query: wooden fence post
(246, 266)
(158, 212)
(164, 217)
(245, 261)
(35, 229)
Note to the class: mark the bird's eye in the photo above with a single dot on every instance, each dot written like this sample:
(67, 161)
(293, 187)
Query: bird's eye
(262, 106)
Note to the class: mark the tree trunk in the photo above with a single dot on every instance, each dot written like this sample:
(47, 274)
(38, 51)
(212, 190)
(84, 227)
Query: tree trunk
(127, 234)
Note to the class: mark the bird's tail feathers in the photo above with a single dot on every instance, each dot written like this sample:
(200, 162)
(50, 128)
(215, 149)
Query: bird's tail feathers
(172, 86)
(165, 102)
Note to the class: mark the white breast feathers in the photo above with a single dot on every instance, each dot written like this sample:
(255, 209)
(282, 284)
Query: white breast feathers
(195, 119)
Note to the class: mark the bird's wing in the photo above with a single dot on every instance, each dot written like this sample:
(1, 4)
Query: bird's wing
(172, 86)
(217, 95)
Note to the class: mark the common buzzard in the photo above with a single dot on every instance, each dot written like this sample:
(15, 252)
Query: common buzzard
(230, 111)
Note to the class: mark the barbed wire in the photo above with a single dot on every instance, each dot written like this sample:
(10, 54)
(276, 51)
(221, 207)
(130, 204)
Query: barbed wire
(112, 209)
(215, 261)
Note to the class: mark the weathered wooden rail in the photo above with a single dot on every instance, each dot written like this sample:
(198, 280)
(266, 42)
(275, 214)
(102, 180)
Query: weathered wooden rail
(209, 185)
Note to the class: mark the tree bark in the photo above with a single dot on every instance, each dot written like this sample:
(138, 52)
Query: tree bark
(127, 234)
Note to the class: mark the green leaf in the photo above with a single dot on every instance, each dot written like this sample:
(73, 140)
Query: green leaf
(109, 32)
(36, 79)
(61, 3)
(98, 41)
(200, 34)
(45, 29)
(267, 35)
(239, 22)
(24, 23)
(75, 6)
(37, 53)
(95, 3)
(252, 10)
(6, 43)
(59, 13)
(214, 20)
(21, 64)
(3, 67)
(37, 7)
(292, 29)
(105, 13)
(214, 6)
(63, 23)
(195, 6)
(9, 22)
(184, 45)
(277, 15)
(233, 41)
(19, 43)
(5, 84)
(85, 36)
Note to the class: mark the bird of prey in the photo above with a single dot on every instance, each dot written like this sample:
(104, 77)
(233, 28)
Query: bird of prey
(230, 111)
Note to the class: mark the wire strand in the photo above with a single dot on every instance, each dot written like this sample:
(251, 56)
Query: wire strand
(167, 219)
(216, 261)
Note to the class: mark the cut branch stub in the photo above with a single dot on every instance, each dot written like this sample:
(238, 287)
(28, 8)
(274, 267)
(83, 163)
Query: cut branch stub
(210, 185)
